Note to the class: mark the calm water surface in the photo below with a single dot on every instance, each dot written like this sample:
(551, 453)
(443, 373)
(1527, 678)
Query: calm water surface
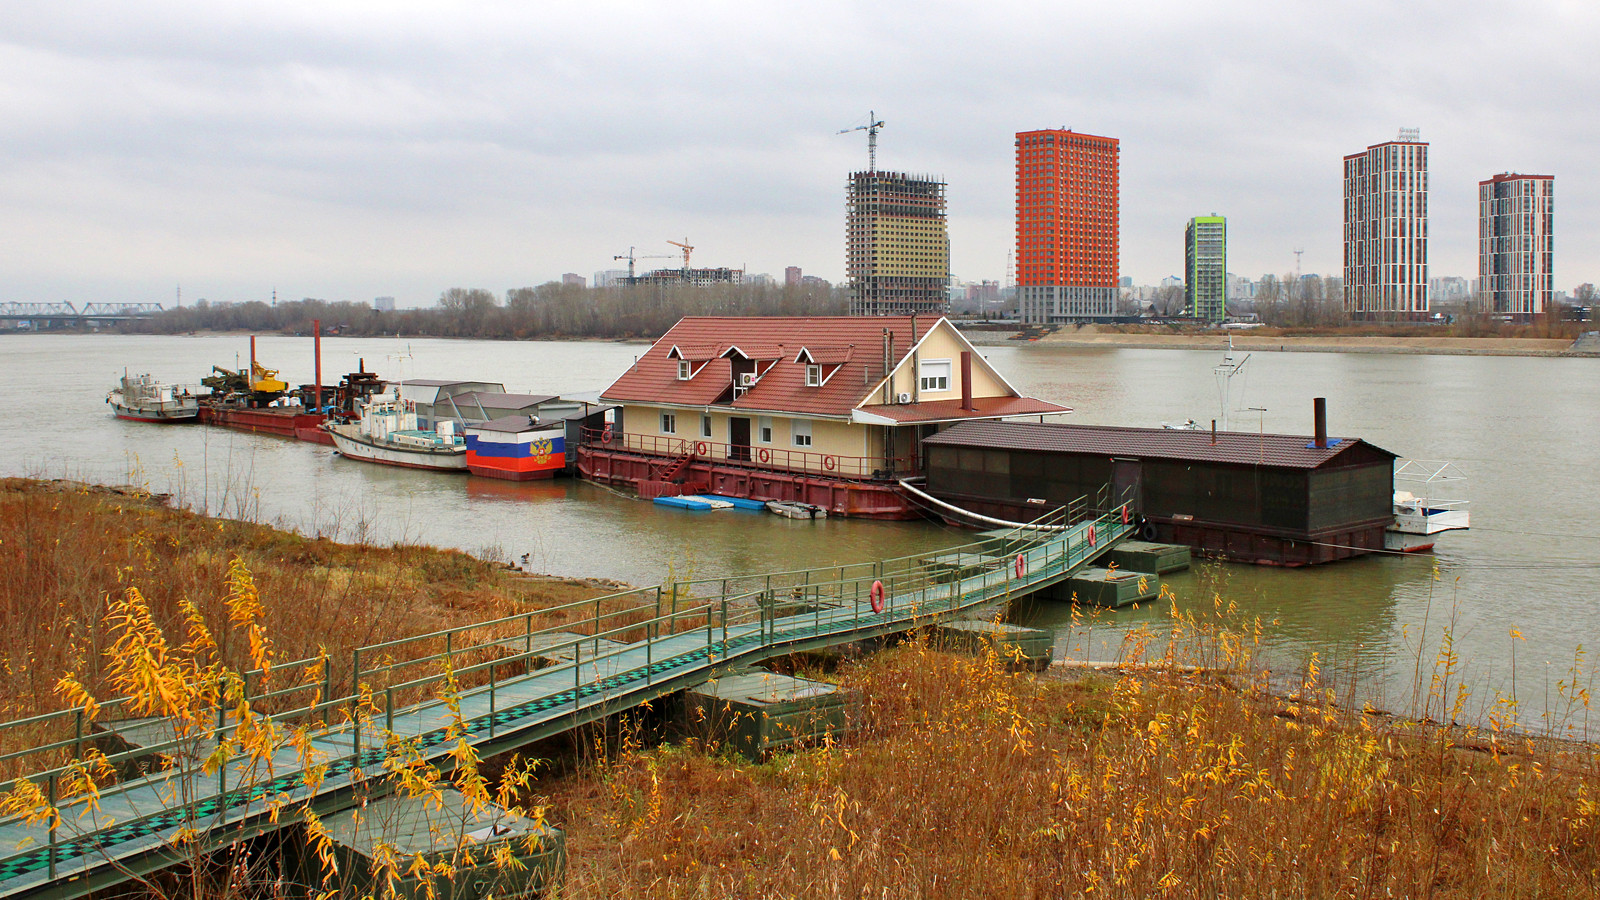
(1524, 430)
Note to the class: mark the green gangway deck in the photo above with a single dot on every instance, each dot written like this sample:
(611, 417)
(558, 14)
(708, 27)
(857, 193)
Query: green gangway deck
(640, 645)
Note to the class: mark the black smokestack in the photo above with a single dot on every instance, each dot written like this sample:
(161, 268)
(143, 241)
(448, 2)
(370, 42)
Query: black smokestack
(1319, 414)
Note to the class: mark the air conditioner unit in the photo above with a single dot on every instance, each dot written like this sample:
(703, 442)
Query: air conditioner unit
(905, 397)
(747, 379)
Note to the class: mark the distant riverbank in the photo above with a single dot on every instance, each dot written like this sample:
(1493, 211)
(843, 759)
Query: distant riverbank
(1092, 336)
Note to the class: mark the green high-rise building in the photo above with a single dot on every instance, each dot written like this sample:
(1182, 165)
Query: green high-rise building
(1206, 272)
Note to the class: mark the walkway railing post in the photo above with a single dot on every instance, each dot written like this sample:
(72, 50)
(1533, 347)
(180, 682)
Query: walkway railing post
(222, 767)
(577, 683)
(77, 740)
(491, 698)
(55, 818)
(355, 704)
(388, 709)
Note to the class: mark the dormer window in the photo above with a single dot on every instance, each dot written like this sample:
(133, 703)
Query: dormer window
(813, 376)
(685, 369)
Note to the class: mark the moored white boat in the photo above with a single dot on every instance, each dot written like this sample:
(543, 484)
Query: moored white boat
(387, 434)
(141, 398)
(1420, 515)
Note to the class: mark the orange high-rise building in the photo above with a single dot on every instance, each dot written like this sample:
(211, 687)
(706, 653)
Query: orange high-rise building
(1067, 226)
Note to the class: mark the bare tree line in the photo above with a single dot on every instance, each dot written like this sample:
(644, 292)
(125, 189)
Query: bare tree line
(551, 310)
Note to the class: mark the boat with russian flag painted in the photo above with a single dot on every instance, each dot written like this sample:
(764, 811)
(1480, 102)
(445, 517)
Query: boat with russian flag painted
(516, 448)
(141, 398)
(387, 433)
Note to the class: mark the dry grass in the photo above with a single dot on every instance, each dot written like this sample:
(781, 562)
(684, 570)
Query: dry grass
(966, 780)
(66, 548)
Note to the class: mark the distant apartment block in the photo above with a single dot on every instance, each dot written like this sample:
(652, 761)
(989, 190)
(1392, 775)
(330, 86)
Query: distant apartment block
(1205, 253)
(1386, 230)
(575, 279)
(897, 255)
(1067, 226)
(1516, 258)
(814, 281)
(610, 278)
(791, 276)
(383, 304)
(1449, 289)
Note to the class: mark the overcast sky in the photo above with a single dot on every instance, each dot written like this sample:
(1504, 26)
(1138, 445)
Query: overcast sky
(350, 150)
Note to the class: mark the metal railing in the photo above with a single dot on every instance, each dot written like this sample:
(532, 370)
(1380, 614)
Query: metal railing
(755, 455)
(625, 647)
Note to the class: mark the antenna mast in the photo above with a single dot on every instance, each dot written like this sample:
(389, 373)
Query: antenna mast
(871, 128)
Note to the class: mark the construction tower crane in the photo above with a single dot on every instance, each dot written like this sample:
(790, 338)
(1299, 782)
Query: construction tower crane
(687, 248)
(871, 128)
(632, 256)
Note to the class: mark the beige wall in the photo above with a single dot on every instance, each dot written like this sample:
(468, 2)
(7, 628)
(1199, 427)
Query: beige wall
(943, 343)
(845, 443)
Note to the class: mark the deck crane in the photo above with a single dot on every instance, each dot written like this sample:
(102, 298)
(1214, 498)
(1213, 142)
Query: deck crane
(871, 128)
(687, 248)
(632, 256)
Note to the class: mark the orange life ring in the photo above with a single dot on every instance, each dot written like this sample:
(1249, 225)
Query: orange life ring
(876, 596)
(605, 435)
(1022, 565)
(1124, 513)
(700, 448)
(829, 463)
(1091, 535)
(764, 455)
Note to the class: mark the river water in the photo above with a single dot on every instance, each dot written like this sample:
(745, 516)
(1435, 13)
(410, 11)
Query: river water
(1524, 430)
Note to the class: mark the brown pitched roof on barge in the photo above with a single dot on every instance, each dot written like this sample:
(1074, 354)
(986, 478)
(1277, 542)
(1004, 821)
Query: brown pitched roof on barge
(1231, 448)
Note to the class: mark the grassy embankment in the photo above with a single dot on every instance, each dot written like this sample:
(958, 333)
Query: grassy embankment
(959, 778)
(66, 549)
(965, 780)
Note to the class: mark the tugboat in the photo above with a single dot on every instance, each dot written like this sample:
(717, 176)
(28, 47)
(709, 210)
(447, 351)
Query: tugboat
(141, 398)
(387, 433)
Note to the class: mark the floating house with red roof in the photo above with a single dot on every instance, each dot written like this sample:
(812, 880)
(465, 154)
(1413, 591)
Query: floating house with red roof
(824, 410)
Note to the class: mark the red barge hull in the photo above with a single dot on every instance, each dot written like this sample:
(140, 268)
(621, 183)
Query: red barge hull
(279, 421)
(840, 497)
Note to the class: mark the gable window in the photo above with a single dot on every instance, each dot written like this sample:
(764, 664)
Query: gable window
(934, 375)
(800, 432)
(669, 423)
(813, 375)
(764, 429)
(685, 369)
(705, 426)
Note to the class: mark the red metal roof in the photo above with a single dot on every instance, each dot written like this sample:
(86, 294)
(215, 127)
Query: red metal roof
(950, 410)
(654, 378)
(1232, 447)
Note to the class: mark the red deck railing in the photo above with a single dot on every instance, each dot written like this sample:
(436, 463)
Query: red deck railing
(754, 456)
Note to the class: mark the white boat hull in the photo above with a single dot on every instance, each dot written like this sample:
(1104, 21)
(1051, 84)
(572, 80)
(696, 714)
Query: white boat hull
(350, 444)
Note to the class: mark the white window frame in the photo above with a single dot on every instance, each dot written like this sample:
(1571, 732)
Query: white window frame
(813, 375)
(705, 425)
(669, 423)
(764, 429)
(685, 370)
(800, 433)
(935, 375)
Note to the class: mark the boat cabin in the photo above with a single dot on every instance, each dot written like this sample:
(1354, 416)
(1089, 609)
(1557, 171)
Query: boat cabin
(467, 402)
(1267, 498)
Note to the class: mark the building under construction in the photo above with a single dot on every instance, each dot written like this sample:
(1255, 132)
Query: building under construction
(693, 277)
(898, 256)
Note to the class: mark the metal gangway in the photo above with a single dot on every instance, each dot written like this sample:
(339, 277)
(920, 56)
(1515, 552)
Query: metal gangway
(516, 680)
